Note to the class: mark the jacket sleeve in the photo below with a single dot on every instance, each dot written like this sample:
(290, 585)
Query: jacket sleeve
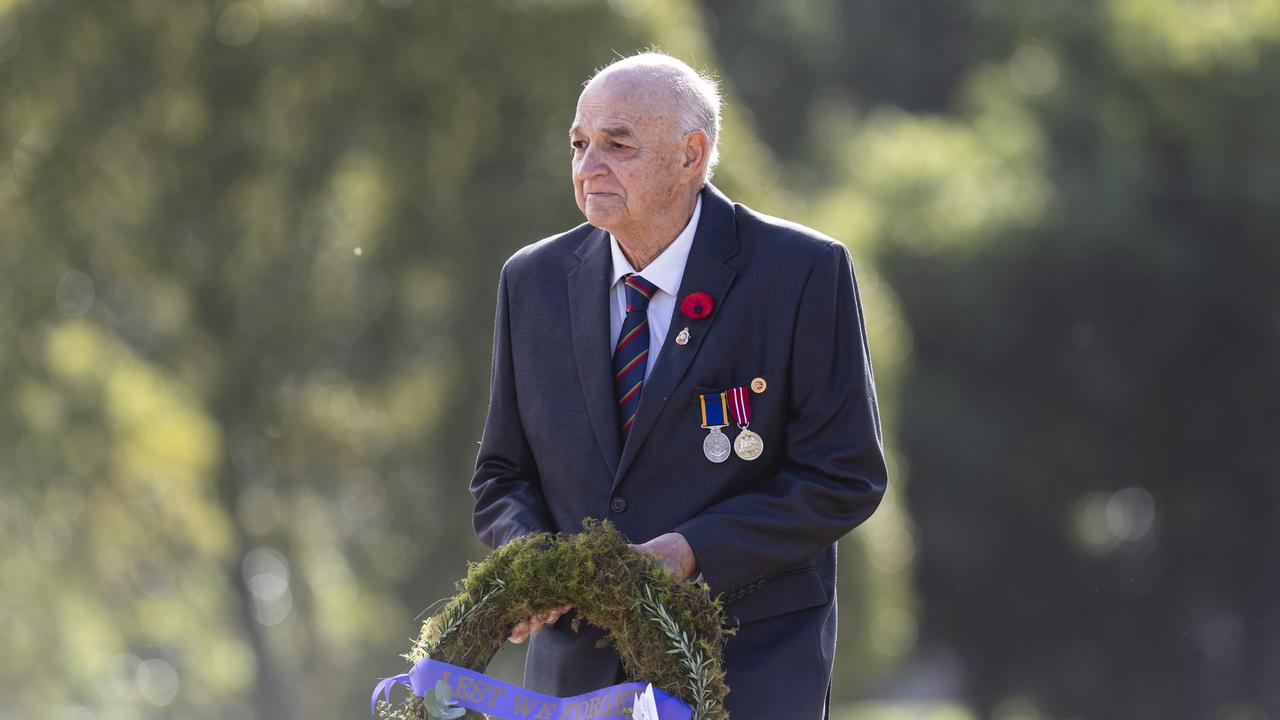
(834, 475)
(506, 485)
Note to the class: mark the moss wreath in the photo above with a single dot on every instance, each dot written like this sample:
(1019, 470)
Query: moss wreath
(667, 631)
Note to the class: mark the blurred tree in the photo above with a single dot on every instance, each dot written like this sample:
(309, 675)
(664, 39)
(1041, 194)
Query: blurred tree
(1083, 246)
(249, 253)
(869, 53)
(1092, 382)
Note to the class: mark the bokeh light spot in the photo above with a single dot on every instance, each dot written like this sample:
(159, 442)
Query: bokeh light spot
(152, 579)
(266, 574)
(238, 25)
(74, 293)
(1102, 522)
(1130, 514)
(1033, 70)
(158, 681)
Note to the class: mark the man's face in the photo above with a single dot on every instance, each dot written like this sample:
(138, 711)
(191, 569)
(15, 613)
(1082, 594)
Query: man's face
(626, 154)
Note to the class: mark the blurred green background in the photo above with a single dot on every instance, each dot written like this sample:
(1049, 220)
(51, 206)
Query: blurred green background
(248, 257)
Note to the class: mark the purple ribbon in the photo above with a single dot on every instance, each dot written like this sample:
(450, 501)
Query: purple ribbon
(487, 694)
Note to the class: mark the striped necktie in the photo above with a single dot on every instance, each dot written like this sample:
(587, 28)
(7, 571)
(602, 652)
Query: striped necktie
(631, 354)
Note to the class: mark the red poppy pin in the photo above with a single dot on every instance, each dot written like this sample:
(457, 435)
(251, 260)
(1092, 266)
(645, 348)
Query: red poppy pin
(696, 306)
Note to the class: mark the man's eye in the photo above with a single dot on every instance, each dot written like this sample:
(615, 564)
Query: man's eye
(578, 144)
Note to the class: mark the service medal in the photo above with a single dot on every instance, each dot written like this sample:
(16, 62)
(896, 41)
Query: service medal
(716, 446)
(748, 445)
(714, 416)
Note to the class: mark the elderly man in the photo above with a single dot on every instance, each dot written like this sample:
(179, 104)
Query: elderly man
(698, 374)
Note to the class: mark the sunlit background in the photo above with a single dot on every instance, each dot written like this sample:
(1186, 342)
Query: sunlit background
(248, 260)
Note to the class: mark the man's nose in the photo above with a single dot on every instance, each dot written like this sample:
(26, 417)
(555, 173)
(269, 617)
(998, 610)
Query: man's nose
(590, 164)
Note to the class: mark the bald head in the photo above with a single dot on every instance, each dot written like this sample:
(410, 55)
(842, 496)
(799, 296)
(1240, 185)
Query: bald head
(673, 91)
(643, 141)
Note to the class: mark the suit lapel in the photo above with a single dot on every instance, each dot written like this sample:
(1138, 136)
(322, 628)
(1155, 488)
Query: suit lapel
(589, 322)
(715, 241)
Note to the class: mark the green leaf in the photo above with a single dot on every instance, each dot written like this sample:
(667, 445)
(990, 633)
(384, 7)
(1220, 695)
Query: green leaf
(433, 706)
(439, 703)
(443, 691)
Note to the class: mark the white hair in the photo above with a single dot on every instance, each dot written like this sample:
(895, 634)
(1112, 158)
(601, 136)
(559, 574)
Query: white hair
(697, 95)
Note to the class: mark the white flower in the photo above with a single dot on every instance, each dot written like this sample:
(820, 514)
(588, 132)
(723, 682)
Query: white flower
(646, 707)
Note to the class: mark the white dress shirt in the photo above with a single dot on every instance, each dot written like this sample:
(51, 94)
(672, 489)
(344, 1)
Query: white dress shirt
(666, 271)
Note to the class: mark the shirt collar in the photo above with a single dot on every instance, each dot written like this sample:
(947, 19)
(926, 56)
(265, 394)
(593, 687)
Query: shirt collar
(667, 270)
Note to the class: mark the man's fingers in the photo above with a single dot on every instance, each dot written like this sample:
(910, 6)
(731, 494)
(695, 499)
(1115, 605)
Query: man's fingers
(554, 614)
(673, 551)
(525, 629)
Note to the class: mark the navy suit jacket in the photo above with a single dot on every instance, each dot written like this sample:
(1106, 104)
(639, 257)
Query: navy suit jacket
(786, 309)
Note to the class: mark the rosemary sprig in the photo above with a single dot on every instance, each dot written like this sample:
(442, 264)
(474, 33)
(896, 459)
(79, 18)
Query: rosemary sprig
(697, 666)
(452, 618)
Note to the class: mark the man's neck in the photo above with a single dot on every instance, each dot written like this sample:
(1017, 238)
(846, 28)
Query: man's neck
(645, 245)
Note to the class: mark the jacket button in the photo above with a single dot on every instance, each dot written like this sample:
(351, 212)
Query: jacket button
(618, 505)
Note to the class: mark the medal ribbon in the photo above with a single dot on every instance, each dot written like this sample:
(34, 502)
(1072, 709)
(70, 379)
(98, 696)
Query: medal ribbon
(740, 404)
(714, 411)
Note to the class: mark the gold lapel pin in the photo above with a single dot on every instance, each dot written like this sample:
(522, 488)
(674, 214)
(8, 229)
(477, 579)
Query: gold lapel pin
(683, 337)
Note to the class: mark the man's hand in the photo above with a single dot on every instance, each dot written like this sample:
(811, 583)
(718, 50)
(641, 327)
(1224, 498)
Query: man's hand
(522, 630)
(673, 551)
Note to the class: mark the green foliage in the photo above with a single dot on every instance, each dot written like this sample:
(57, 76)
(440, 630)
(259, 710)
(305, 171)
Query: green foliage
(1072, 207)
(1081, 239)
(667, 631)
(701, 665)
(249, 251)
(439, 703)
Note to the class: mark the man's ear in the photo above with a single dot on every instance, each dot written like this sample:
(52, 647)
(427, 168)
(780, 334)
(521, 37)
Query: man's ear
(695, 152)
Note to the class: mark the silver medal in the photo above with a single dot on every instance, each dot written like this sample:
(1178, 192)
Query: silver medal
(716, 446)
(748, 445)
